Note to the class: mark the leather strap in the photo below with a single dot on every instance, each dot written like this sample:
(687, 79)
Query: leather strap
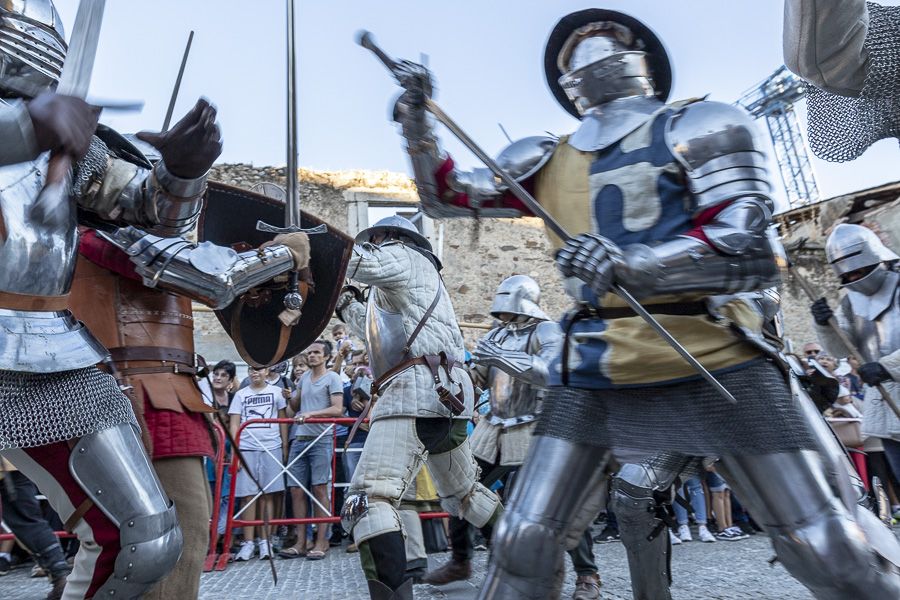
(284, 335)
(79, 513)
(13, 301)
(162, 353)
(425, 317)
(359, 421)
(434, 362)
(671, 308)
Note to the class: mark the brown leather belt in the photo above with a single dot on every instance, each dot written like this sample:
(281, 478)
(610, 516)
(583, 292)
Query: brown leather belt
(181, 362)
(434, 362)
(13, 301)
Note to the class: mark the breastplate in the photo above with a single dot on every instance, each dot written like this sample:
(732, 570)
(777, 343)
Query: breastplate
(385, 337)
(38, 258)
(511, 397)
(880, 337)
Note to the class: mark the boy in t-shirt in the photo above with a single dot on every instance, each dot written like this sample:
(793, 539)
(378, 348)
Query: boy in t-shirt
(263, 446)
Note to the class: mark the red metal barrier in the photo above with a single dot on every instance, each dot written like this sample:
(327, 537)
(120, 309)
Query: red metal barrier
(224, 558)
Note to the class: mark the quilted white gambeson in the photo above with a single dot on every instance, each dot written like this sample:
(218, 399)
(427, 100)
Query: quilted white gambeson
(404, 281)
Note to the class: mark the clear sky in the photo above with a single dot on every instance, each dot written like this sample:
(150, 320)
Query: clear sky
(486, 56)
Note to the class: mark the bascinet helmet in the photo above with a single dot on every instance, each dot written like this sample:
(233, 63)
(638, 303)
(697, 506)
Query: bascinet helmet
(518, 295)
(32, 47)
(854, 247)
(596, 55)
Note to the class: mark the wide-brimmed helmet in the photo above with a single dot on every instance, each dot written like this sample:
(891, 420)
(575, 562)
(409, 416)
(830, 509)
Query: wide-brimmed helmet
(596, 55)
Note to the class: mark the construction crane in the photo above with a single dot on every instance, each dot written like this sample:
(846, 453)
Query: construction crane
(773, 99)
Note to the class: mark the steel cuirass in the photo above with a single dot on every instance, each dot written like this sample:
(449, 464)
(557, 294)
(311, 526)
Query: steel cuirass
(877, 335)
(385, 337)
(39, 260)
(513, 399)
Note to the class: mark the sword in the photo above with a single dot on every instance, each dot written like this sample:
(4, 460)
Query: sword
(74, 81)
(292, 300)
(177, 88)
(365, 40)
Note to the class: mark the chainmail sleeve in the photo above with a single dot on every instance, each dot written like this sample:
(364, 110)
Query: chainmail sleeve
(842, 128)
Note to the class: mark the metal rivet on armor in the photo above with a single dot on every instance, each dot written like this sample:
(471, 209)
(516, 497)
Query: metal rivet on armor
(131, 523)
(82, 450)
(130, 565)
(134, 548)
(99, 492)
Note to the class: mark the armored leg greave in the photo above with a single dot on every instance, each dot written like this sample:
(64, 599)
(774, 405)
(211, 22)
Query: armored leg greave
(835, 551)
(529, 539)
(105, 488)
(638, 502)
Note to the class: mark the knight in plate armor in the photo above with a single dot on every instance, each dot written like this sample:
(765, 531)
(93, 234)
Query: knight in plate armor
(869, 313)
(63, 422)
(848, 51)
(145, 321)
(424, 399)
(512, 363)
(673, 202)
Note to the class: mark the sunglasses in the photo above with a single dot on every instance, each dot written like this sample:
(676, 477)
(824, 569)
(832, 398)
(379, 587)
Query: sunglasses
(813, 352)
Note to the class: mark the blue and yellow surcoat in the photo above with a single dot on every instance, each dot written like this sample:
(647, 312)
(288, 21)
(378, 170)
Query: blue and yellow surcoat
(634, 192)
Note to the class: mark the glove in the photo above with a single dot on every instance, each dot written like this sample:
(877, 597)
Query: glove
(592, 259)
(298, 245)
(349, 294)
(192, 145)
(63, 124)
(821, 312)
(416, 82)
(873, 373)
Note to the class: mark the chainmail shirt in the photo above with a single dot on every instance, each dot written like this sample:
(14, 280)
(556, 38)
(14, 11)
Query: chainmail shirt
(687, 418)
(42, 408)
(842, 128)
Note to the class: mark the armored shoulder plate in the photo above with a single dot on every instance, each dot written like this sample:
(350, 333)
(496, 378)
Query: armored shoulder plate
(525, 157)
(718, 147)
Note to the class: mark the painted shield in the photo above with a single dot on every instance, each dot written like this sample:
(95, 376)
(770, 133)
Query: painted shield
(252, 321)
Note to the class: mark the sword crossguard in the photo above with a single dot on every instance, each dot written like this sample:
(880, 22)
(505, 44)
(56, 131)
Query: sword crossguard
(261, 226)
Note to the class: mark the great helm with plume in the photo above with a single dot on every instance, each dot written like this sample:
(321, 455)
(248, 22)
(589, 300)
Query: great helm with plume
(856, 248)
(32, 47)
(594, 56)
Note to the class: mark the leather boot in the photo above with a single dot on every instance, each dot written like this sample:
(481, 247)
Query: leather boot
(453, 570)
(379, 591)
(59, 584)
(587, 587)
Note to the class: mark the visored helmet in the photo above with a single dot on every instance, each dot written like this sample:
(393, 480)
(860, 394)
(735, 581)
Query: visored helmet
(32, 47)
(854, 248)
(594, 56)
(518, 295)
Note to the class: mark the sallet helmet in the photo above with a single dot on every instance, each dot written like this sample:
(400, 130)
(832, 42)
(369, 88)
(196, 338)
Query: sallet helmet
(594, 56)
(32, 47)
(518, 295)
(399, 225)
(853, 247)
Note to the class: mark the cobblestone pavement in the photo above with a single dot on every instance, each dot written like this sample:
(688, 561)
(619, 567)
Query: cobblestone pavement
(727, 570)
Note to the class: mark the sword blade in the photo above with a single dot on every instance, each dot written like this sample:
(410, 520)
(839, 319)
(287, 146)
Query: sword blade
(79, 64)
(292, 201)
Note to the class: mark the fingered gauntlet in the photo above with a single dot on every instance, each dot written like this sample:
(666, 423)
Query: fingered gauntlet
(592, 259)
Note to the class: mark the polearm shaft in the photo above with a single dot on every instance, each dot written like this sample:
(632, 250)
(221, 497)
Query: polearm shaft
(842, 335)
(365, 40)
(177, 88)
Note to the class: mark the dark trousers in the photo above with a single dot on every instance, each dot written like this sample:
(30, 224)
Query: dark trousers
(23, 515)
(462, 533)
